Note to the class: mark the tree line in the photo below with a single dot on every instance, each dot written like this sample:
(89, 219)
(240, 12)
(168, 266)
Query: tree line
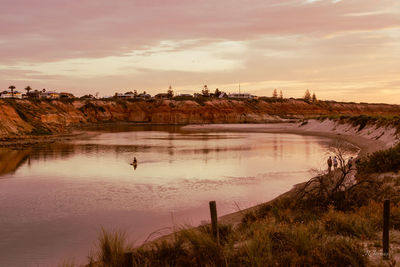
(307, 96)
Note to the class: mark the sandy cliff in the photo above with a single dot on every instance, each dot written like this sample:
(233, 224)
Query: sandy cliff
(34, 117)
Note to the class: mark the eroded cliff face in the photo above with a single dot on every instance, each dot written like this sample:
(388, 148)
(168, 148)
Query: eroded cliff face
(33, 117)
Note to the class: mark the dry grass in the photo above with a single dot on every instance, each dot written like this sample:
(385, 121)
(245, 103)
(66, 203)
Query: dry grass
(111, 249)
(265, 242)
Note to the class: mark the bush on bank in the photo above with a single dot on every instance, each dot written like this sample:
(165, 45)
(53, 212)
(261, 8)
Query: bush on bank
(381, 161)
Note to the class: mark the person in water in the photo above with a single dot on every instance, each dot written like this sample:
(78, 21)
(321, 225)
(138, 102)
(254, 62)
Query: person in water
(134, 163)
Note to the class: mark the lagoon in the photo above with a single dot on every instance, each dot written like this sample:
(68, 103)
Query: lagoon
(54, 198)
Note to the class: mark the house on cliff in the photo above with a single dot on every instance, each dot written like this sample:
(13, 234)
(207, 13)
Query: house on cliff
(8, 94)
(144, 96)
(162, 96)
(49, 95)
(223, 95)
(33, 94)
(241, 95)
(125, 96)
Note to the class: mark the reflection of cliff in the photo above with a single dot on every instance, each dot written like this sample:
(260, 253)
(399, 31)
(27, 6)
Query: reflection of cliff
(21, 117)
(10, 160)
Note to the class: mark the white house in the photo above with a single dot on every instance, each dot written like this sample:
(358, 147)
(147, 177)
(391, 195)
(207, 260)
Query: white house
(126, 95)
(223, 95)
(8, 94)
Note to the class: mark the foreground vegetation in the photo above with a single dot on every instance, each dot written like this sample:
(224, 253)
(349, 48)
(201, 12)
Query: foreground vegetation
(381, 161)
(324, 222)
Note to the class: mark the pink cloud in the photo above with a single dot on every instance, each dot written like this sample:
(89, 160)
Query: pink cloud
(50, 30)
(306, 45)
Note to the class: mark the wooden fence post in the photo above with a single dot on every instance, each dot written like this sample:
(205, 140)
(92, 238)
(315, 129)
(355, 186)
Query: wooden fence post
(214, 220)
(385, 237)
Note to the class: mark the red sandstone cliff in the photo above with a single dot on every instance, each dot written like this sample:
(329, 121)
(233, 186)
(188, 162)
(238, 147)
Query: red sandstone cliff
(33, 117)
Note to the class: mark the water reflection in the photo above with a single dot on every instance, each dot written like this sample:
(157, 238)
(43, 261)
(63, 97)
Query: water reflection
(74, 188)
(203, 145)
(11, 160)
(119, 128)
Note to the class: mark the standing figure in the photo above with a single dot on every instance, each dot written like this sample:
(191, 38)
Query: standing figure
(350, 162)
(335, 163)
(329, 161)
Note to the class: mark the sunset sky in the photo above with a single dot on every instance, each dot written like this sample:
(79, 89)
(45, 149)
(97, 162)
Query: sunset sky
(346, 50)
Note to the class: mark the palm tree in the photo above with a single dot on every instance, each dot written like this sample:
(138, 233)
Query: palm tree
(28, 88)
(12, 87)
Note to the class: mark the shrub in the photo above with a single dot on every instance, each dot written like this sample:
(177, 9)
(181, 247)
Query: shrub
(380, 161)
(306, 216)
(263, 211)
(300, 245)
(248, 218)
(347, 224)
(224, 231)
(373, 213)
(362, 121)
(341, 251)
(162, 254)
(204, 250)
(395, 216)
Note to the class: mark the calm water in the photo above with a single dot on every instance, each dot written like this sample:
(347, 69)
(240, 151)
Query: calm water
(55, 198)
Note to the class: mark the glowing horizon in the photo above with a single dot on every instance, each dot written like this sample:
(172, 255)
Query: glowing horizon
(346, 50)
